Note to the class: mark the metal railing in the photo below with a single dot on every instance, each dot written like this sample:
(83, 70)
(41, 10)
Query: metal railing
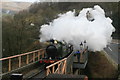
(21, 60)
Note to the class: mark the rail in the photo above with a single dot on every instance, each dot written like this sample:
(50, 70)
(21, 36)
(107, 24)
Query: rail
(21, 59)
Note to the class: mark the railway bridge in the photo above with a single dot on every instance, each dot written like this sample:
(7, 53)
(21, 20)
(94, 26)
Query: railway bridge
(28, 67)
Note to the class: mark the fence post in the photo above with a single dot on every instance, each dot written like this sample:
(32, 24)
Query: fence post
(59, 68)
(65, 65)
(27, 60)
(47, 71)
(53, 69)
(38, 55)
(9, 65)
(19, 61)
(33, 57)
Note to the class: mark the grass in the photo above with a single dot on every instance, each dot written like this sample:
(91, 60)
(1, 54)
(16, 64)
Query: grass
(99, 66)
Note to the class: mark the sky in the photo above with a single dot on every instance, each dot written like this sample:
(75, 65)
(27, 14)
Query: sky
(20, 0)
(25, 0)
(61, 0)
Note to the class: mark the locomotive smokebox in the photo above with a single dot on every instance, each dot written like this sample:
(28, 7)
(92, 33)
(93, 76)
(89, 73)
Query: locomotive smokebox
(51, 51)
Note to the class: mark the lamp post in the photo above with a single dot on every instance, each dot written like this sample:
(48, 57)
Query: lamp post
(84, 44)
(81, 46)
(81, 50)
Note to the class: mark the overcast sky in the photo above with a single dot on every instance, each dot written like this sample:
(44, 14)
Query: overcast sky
(20, 0)
(25, 0)
(61, 0)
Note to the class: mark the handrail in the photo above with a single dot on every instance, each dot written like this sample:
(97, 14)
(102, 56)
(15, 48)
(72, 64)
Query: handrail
(19, 55)
(35, 56)
(61, 69)
(56, 63)
(61, 64)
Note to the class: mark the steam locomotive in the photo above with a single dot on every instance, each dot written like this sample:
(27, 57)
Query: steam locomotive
(56, 51)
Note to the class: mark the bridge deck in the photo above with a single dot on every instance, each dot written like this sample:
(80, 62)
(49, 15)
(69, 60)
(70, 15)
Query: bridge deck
(77, 64)
(83, 58)
(82, 63)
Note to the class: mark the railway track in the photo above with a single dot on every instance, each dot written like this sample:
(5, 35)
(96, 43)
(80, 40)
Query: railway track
(39, 74)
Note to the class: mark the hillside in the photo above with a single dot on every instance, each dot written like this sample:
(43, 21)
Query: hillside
(13, 7)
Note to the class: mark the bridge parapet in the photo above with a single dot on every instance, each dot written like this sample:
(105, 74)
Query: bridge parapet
(14, 62)
(69, 65)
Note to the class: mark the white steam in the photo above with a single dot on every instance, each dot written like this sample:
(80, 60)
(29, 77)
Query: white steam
(75, 29)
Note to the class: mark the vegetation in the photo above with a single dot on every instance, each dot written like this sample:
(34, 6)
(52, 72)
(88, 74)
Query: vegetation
(99, 67)
(21, 31)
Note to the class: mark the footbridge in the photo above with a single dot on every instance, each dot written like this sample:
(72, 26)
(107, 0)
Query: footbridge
(28, 67)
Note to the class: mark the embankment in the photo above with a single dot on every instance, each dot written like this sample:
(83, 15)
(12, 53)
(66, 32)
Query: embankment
(99, 67)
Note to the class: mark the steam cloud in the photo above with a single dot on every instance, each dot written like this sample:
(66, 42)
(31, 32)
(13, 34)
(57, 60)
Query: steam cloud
(75, 29)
